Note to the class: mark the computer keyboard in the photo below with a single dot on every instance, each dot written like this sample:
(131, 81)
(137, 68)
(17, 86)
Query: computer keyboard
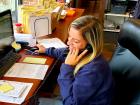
(7, 62)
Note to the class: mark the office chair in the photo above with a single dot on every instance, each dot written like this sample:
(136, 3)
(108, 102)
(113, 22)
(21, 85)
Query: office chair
(125, 65)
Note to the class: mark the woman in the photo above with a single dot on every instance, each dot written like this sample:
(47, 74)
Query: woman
(85, 77)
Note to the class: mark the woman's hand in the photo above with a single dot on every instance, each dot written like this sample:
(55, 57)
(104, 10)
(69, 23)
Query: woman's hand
(41, 48)
(73, 58)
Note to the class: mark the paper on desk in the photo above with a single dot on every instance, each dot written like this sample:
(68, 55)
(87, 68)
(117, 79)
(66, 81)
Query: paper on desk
(5, 87)
(52, 42)
(16, 91)
(24, 70)
(25, 38)
(34, 60)
(17, 100)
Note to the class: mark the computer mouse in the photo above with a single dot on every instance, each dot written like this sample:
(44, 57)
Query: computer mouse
(29, 52)
(33, 48)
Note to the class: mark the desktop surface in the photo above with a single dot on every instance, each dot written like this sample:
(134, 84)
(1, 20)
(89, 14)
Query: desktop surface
(60, 32)
(36, 82)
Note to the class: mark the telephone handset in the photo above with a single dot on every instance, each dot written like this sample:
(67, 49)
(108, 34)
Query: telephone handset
(88, 47)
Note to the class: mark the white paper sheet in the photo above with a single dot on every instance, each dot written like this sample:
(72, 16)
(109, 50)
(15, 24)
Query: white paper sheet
(17, 100)
(52, 42)
(25, 38)
(17, 90)
(24, 70)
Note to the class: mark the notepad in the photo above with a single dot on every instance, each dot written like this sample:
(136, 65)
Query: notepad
(52, 42)
(34, 60)
(11, 88)
(70, 12)
(17, 97)
(5, 87)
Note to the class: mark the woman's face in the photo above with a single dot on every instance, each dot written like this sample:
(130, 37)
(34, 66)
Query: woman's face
(76, 40)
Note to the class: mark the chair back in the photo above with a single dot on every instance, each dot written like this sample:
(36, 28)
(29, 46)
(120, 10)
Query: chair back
(125, 65)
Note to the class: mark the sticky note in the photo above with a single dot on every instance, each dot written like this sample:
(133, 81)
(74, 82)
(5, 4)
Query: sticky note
(34, 60)
(5, 87)
(16, 46)
(70, 12)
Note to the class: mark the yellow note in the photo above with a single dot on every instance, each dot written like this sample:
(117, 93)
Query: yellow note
(16, 46)
(35, 60)
(5, 87)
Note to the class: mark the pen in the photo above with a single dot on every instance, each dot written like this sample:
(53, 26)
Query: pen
(31, 52)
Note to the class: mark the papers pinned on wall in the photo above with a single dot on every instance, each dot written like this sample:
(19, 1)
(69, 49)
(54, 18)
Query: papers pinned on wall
(16, 95)
(24, 70)
(52, 42)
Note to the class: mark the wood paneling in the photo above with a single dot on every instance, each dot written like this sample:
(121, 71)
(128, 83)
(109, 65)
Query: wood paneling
(93, 7)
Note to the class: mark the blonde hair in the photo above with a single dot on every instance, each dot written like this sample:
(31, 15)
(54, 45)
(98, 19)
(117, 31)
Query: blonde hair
(93, 33)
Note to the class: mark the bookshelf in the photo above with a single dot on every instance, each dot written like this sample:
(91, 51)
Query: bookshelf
(117, 20)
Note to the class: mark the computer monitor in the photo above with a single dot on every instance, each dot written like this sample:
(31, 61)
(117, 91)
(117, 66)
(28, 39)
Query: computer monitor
(6, 33)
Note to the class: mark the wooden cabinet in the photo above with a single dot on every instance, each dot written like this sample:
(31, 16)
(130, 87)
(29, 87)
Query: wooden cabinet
(93, 7)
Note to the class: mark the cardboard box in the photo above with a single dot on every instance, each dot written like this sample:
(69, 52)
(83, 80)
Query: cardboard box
(38, 20)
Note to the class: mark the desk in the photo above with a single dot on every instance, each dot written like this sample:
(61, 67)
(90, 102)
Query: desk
(59, 32)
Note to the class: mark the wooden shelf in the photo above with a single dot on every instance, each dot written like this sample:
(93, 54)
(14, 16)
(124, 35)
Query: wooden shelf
(114, 16)
(109, 30)
(118, 15)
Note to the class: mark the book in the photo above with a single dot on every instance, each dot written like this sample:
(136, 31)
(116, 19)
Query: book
(52, 42)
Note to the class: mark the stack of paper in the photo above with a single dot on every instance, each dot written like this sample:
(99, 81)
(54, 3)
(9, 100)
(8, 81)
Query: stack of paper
(13, 89)
(20, 37)
(5, 87)
(14, 92)
(25, 70)
(52, 42)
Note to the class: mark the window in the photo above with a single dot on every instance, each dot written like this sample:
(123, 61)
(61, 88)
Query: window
(10, 4)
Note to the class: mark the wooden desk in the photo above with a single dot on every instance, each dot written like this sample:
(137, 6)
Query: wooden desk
(35, 82)
(60, 32)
